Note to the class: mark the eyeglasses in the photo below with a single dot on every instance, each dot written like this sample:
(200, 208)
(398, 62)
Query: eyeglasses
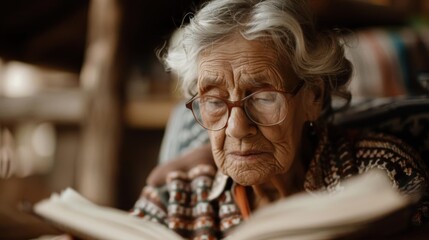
(264, 108)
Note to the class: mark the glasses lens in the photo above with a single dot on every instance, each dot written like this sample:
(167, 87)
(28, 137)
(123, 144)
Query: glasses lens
(210, 112)
(266, 108)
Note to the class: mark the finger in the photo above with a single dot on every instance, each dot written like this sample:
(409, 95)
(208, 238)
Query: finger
(158, 175)
(184, 162)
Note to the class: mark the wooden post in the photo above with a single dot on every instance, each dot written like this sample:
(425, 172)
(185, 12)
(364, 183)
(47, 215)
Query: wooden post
(97, 165)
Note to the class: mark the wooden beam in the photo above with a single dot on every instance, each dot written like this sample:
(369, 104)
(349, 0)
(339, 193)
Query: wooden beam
(97, 168)
(63, 106)
(149, 113)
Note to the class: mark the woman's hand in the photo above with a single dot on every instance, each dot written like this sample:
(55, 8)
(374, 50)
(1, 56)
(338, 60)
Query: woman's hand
(184, 162)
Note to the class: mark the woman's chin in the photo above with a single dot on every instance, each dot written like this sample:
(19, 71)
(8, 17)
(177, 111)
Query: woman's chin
(250, 170)
(250, 177)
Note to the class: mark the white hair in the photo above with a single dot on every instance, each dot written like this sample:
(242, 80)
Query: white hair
(286, 23)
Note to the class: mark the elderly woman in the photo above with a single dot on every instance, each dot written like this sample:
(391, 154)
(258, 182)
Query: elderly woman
(260, 78)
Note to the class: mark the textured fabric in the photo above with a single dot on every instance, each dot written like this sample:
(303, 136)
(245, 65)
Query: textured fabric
(355, 153)
(182, 133)
(404, 117)
(184, 205)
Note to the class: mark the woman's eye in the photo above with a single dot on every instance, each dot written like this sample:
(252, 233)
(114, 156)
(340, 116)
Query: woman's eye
(213, 103)
(264, 97)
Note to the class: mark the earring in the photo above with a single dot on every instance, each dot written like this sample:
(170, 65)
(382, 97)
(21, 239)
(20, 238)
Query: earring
(311, 128)
(310, 140)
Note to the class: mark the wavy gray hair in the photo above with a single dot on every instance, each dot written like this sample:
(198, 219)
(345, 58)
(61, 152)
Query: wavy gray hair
(288, 24)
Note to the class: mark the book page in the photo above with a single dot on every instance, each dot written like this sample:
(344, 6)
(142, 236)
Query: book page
(74, 213)
(365, 198)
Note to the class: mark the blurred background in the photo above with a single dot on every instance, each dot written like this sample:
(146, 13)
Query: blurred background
(84, 102)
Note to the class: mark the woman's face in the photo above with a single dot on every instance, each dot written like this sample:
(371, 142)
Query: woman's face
(248, 153)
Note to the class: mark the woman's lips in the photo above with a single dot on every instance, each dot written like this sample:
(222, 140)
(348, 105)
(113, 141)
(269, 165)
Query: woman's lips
(247, 155)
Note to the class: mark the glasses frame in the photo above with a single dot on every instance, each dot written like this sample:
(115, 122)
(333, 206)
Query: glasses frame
(240, 103)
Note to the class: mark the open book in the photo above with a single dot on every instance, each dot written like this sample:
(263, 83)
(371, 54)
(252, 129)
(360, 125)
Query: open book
(366, 201)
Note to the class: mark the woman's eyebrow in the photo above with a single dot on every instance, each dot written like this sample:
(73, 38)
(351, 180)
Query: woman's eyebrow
(210, 80)
(259, 80)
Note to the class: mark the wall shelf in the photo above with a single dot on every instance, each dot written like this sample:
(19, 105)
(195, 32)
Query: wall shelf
(149, 112)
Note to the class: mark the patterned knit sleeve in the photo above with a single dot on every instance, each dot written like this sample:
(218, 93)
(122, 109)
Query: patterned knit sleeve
(151, 205)
(402, 164)
(182, 205)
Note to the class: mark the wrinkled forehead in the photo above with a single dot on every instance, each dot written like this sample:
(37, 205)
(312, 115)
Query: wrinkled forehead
(251, 60)
(238, 51)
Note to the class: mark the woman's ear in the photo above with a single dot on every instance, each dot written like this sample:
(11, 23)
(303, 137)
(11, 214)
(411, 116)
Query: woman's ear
(314, 99)
(318, 88)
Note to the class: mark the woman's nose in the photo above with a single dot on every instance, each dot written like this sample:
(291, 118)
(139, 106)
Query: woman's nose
(239, 126)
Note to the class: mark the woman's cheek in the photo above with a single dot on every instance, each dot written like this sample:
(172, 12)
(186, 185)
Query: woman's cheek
(283, 141)
(217, 140)
(275, 134)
